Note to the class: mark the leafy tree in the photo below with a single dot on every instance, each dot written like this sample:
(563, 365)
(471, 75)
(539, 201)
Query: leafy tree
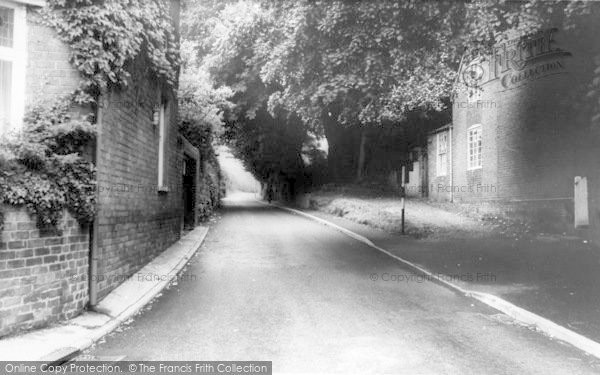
(347, 68)
(201, 108)
(44, 168)
(269, 143)
(344, 65)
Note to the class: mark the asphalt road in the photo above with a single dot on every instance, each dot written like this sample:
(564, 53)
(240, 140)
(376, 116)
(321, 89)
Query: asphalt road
(269, 285)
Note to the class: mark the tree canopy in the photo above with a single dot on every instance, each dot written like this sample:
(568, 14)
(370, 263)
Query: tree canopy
(352, 64)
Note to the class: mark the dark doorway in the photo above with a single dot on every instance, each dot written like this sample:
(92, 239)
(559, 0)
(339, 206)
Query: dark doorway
(189, 193)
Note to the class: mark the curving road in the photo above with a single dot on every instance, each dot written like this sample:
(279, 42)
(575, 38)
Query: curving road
(268, 285)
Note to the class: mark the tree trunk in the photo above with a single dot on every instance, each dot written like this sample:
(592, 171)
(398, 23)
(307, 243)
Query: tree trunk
(361, 155)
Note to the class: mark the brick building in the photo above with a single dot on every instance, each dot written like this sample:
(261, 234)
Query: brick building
(521, 134)
(139, 161)
(45, 277)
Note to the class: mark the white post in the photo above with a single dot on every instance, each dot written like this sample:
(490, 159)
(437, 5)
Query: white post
(582, 216)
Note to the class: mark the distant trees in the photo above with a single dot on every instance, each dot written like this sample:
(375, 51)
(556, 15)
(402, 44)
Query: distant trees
(347, 69)
(269, 143)
(201, 108)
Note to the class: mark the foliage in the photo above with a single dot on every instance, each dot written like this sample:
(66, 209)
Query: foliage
(269, 144)
(375, 60)
(199, 20)
(210, 188)
(365, 62)
(271, 148)
(355, 65)
(43, 167)
(201, 106)
(200, 120)
(106, 35)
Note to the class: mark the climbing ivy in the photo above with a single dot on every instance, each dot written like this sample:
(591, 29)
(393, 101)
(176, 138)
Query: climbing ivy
(107, 35)
(44, 169)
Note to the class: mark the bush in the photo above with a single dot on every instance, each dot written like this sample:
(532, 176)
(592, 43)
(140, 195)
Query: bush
(43, 167)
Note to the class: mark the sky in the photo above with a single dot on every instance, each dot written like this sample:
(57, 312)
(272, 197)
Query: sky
(238, 179)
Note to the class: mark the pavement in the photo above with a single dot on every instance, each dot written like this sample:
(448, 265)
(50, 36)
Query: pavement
(553, 278)
(62, 342)
(269, 285)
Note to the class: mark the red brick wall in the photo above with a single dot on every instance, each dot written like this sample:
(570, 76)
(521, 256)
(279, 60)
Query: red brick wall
(43, 276)
(136, 222)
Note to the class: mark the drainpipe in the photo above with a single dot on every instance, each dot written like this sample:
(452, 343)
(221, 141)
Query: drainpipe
(93, 288)
(93, 260)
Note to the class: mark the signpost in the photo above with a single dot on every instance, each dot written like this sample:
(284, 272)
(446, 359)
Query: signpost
(403, 180)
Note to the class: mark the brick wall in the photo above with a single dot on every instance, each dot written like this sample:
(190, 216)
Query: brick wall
(136, 222)
(438, 185)
(414, 186)
(134, 225)
(43, 276)
(477, 184)
(417, 184)
(49, 73)
(594, 191)
(535, 140)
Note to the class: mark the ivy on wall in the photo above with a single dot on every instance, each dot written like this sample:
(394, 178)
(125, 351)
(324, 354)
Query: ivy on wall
(45, 167)
(106, 35)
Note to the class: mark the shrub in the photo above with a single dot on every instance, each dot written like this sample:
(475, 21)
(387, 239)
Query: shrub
(44, 168)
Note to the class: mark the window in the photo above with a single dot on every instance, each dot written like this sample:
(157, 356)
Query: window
(7, 27)
(12, 65)
(474, 147)
(442, 154)
(162, 141)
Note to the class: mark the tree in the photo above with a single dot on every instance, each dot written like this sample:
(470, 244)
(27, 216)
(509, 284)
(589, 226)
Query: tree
(344, 65)
(347, 68)
(269, 143)
(201, 121)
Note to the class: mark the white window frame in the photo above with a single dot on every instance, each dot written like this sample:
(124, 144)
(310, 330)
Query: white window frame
(18, 56)
(442, 170)
(470, 164)
(162, 141)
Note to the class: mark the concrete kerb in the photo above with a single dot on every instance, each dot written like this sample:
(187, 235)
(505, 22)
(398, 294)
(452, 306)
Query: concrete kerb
(58, 344)
(519, 314)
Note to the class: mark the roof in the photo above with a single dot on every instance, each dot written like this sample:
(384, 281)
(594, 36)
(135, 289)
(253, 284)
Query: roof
(440, 129)
(39, 3)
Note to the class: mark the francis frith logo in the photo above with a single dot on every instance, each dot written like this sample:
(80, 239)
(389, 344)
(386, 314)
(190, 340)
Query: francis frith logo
(518, 61)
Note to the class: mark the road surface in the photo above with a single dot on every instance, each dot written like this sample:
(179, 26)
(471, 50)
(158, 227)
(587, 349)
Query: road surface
(269, 285)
